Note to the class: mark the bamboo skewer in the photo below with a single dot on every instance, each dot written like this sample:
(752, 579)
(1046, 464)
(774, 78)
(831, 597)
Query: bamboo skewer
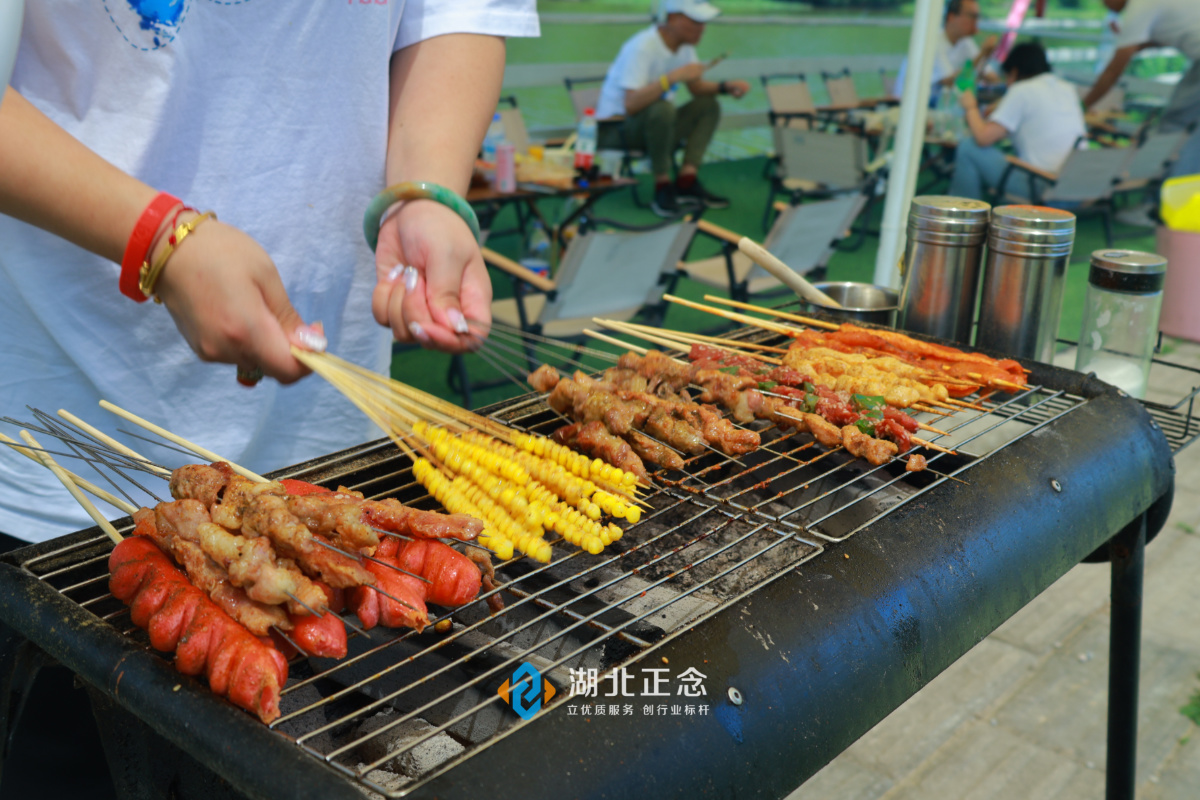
(815, 323)
(179, 440)
(111, 442)
(731, 344)
(931, 446)
(80, 497)
(675, 339)
(731, 315)
(82, 483)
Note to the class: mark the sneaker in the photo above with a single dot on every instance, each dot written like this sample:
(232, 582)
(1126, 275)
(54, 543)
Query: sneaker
(666, 202)
(701, 196)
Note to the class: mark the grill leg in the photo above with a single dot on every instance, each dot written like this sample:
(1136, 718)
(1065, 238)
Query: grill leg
(1127, 551)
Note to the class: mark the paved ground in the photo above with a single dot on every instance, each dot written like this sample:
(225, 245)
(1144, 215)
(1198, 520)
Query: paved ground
(1023, 714)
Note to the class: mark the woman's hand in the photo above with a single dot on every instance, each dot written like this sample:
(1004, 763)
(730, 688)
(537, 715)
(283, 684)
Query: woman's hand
(967, 100)
(229, 303)
(441, 296)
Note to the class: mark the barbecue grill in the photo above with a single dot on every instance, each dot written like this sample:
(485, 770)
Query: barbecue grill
(810, 592)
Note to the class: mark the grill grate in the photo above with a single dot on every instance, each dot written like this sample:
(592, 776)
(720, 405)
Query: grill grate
(712, 535)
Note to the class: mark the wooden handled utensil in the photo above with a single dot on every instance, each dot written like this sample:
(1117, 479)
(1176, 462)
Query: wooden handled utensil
(790, 278)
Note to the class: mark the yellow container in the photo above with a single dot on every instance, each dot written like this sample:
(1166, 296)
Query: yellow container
(1181, 203)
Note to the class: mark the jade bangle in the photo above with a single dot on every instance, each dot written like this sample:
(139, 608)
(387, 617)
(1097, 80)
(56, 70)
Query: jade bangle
(415, 190)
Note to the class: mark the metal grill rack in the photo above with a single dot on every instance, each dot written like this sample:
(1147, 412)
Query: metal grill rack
(715, 536)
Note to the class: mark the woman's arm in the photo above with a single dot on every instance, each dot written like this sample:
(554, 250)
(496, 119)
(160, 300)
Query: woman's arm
(49, 179)
(443, 95)
(221, 288)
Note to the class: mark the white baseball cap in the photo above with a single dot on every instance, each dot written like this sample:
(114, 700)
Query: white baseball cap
(696, 10)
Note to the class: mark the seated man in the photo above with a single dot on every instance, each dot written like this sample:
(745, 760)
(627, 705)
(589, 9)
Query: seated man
(1040, 112)
(640, 86)
(954, 48)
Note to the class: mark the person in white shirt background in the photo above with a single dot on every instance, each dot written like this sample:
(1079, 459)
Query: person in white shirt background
(1039, 112)
(1160, 23)
(640, 88)
(955, 47)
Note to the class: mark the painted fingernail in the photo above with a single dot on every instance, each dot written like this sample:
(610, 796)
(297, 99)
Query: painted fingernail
(417, 331)
(310, 338)
(457, 320)
(394, 273)
(410, 278)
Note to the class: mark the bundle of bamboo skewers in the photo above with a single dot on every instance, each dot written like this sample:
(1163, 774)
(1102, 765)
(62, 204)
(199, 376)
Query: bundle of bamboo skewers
(523, 486)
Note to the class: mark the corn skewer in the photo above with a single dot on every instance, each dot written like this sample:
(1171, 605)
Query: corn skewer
(475, 465)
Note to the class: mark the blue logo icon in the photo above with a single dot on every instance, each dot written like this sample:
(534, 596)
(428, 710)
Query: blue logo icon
(527, 691)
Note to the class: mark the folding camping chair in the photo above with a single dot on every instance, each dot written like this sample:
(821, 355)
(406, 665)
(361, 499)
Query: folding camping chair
(608, 273)
(514, 124)
(1084, 185)
(584, 93)
(1151, 161)
(820, 164)
(804, 237)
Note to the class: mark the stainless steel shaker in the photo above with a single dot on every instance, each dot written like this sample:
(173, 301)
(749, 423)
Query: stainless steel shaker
(1023, 277)
(941, 265)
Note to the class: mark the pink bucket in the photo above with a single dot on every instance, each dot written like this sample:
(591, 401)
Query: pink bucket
(1181, 292)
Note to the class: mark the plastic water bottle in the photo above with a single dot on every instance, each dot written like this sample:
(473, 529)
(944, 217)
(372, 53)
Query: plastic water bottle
(493, 138)
(965, 82)
(537, 251)
(585, 141)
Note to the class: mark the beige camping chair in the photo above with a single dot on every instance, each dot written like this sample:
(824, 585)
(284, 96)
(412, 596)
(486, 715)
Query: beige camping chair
(584, 94)
(610, 273)
(515, 131)
(804, 237)
(1084, 185)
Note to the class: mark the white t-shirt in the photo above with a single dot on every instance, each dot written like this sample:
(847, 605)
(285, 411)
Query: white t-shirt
(1166, 23)
(948, 59)
(642, 59)
(277, 120)
(1043, 118)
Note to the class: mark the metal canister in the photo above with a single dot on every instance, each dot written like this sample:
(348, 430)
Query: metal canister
(941, 265)
(1023, 277)
(1120, 318)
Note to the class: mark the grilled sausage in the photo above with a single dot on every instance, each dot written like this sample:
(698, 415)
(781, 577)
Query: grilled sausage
(182, 619)
(376, 609)
(323, 636)
(454, 580)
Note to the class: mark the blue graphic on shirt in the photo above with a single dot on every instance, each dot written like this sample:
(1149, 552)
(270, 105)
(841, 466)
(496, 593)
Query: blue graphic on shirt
(147, 24)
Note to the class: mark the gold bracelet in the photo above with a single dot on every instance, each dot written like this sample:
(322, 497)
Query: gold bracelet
(148, 276)
(664, 83)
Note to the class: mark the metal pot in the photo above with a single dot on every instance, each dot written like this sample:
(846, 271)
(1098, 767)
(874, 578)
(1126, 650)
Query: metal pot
(861, 302)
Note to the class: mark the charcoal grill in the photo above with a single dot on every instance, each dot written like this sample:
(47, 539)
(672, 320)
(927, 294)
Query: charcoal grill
(814, 593)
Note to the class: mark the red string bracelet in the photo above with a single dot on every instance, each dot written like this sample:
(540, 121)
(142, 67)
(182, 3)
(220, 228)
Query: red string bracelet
(140, 242)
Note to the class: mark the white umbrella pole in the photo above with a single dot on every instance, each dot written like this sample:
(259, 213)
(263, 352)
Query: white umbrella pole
(910, 139)
(11, 14)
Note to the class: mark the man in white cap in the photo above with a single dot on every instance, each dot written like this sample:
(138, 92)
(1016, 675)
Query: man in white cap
(639, 91)
(1160, 23)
